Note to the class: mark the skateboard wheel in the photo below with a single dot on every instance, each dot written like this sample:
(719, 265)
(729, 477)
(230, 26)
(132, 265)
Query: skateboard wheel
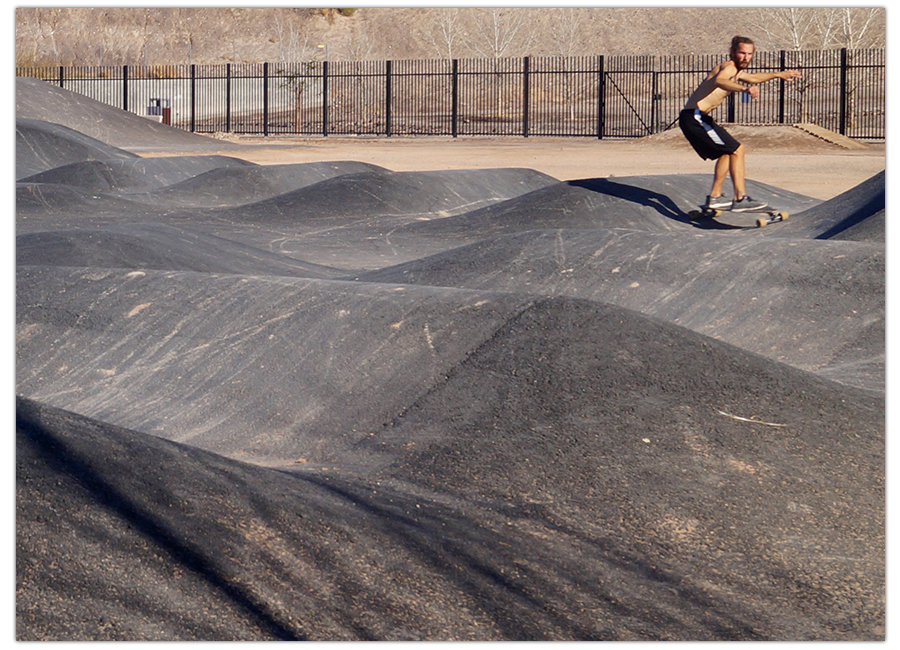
(783, 215)
(761, 222)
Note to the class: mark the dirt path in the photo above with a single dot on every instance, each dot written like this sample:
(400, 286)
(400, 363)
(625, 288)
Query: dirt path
(785, 157)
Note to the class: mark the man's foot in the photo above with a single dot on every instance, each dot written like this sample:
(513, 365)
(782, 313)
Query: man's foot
(717, 203)
(746, 204)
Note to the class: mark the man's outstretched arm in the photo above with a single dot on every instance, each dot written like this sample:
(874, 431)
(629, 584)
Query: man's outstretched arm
(762, 77)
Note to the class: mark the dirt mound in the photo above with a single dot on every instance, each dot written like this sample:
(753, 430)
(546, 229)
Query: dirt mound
(798, 137)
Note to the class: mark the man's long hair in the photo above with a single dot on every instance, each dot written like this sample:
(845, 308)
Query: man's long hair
(738, 40)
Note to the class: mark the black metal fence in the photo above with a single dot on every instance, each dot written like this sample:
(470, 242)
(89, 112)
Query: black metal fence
(591, 96)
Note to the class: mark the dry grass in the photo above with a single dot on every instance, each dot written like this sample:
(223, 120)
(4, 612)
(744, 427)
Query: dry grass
(159, 36)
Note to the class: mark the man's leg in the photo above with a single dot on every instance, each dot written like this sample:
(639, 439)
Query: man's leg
(742, 202)
(736, 169)
(730, 164)
(723, 164)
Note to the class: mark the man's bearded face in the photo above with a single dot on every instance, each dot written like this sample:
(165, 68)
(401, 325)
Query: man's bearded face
(742, 55)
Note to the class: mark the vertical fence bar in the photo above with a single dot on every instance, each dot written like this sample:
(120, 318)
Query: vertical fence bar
(387, 98)
(454, 98)
(601, 96)
(124, 87)
(265, 98)
(526, 87)
(228, 98)
(193, 98)
(782, 65)
(842, 117)
(325, 98)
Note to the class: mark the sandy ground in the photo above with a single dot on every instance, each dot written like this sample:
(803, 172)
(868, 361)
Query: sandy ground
(786, 159)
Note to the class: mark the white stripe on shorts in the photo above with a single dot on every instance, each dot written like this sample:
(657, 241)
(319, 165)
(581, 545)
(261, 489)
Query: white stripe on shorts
(706, 127)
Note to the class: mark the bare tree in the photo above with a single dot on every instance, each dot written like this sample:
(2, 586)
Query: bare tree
(361, 46)
(566, 36)
(293, 38)
(497, 33)
(28, 37)
(789, 28)
(445, 35)
(861, 27)
(566, 31)
(185, 21)
(46, 26)
(798, 28)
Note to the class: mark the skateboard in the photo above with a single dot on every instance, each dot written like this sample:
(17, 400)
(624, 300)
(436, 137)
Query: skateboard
(772, 216)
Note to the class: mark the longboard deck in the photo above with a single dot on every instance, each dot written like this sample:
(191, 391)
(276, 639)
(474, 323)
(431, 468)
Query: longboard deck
(773, 216)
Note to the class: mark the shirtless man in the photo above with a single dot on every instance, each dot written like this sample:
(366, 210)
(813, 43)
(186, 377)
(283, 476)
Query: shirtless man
(709, 139)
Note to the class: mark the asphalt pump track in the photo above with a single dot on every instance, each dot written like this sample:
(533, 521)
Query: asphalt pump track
(331, 401)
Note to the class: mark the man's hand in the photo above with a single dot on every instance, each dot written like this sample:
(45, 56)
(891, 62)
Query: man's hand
(753, 91)
(790, 75)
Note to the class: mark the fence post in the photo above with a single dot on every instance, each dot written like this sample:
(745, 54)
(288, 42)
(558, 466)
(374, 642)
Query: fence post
(454, 98)
(193, 95)
(62, 72)
(781, 88)
(387, 98)
(124, 87)
(842, 118)
(227, 98)
(266, 98)
(325, 98)
(526, 86)
(601, 96)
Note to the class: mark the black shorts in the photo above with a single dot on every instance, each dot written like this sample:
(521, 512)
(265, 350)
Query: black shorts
(708, 139)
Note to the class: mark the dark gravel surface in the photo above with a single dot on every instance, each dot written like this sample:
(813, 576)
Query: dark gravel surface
(330, 401)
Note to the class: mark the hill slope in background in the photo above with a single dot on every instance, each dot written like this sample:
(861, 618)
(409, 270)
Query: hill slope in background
(340, 402)
(156, 36)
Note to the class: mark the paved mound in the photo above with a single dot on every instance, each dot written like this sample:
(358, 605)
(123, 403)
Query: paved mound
(39, 100)
(41, 146)
(355, 212)
(647, 203)
(808, 303)
(871, 228)
(227, 186)
(124, 174)
(157, 246)
(585, 473)
(309, 367)
(333, 401)
(845, 211)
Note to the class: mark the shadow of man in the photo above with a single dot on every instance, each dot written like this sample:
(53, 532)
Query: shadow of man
(663, 204)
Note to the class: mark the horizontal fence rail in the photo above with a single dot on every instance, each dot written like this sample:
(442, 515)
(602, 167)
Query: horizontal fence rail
(590, 96)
